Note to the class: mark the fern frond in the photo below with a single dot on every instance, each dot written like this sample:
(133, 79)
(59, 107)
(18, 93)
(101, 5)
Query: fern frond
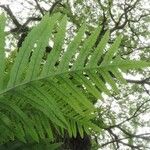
(42, 99)
(2, 51)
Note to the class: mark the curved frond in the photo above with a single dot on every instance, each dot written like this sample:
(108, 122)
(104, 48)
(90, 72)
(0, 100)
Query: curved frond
(42, 100)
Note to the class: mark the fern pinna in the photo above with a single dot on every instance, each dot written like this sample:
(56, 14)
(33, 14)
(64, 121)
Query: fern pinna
(40, 99)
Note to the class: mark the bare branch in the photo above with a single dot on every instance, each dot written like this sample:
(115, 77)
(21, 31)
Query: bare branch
(125, 15)
(135, 114)
(39, 7)
(138, 147)
(31, 19)
(11, 15)
(145, 81)
(54, 5)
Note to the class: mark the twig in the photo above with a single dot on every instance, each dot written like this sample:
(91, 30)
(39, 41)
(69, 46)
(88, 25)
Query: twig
(11, 15)
(135, 114)
(145, 81)
(126, 11)
(39, 7)
(54, 5)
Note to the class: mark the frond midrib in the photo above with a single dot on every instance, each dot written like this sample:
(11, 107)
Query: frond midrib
(109, 65)
(57, 74)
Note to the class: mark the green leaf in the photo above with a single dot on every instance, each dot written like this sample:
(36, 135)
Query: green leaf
(45, 99)
(130, 64)
(86, 48)
(34, 65)
(72, 48)
(55, 54)
(24, 118)
(112, 51)
(21, 60)
(97, 54)
(2, 50)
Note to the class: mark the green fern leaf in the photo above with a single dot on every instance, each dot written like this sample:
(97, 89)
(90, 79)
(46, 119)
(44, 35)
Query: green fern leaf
(47, 98)
(2, 51)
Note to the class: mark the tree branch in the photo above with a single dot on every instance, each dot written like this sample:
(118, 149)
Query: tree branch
(125, 14)
(39, 7)
(54, 5)
(145, 81)
(11, 15)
